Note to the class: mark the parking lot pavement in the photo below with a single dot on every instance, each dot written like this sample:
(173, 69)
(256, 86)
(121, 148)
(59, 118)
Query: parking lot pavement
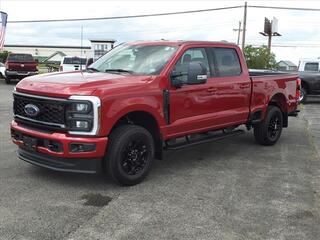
(232, 189)
(312, 114)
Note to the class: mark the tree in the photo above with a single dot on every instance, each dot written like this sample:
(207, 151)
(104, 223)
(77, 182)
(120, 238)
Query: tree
(3, 56)
(259, 57)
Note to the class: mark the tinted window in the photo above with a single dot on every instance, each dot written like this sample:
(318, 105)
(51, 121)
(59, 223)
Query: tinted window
(20, 58)
(311, 67)
(227, 62)
(191, 55)
(75, 60)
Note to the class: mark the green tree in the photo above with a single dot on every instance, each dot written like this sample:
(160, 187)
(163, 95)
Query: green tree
(259, 57)
(3, 56)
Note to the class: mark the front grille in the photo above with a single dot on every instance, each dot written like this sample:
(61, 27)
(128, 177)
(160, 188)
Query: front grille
(51, 111)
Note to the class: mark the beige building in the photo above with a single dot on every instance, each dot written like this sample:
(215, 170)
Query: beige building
(54, 53)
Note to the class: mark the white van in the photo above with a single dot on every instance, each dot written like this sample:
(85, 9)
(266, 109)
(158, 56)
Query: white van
(72, 64)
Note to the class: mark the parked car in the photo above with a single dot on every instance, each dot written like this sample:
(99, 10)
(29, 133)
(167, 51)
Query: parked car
(72, 64)
(19, 66)
(309, 73)
(2, 70)
(145, 97)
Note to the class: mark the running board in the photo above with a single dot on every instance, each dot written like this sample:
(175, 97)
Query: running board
(201, 138)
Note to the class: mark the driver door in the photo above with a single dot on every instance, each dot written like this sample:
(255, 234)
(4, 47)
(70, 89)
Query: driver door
(190, 105)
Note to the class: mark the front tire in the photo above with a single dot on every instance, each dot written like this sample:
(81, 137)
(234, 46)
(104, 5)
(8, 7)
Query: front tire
(269, 130)
(8, 80)
(129, 155)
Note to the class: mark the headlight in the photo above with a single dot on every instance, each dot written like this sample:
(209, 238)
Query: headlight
(83, 115)
(80, 107)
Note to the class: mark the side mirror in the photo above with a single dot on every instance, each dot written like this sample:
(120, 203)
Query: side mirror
(197, 73)
(89, 62)
(176, 78)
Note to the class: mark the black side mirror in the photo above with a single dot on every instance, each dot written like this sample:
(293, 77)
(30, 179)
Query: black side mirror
(176, 78)
(89, 62)
(197, 73)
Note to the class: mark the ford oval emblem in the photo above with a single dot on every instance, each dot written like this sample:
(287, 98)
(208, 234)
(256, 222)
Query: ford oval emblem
(31, 110)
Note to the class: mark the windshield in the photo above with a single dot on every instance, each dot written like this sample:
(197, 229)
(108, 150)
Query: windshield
(136, 59)
(74, 60)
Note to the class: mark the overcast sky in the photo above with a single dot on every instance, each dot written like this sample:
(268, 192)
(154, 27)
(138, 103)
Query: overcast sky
(298, 28)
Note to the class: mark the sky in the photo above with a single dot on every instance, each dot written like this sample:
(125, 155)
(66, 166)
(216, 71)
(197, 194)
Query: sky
(299, 29)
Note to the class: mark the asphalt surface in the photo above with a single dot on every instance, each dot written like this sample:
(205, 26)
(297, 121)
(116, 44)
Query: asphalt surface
(232, 189)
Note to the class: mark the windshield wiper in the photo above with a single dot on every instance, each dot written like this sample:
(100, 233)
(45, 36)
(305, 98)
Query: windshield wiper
(119, 70)
(93, 69)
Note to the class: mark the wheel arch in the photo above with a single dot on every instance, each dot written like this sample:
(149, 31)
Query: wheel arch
(279, 100)
(146, 120)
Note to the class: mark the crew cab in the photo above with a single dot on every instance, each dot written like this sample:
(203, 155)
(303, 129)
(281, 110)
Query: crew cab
(142, 98)
(309, 73)
(19, 66)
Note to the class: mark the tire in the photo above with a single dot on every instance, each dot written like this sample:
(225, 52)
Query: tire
(129, 154)
(8, 80)
(268, 132)
(303, 95)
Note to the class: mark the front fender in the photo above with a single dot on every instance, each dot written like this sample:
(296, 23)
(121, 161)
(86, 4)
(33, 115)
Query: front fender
(111, 113)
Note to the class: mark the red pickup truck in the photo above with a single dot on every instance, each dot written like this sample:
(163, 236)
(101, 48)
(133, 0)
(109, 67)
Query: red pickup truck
(19, 66)
(142, 98)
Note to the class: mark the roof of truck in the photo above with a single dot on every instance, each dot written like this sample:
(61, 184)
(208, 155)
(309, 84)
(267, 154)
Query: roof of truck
(180, 42)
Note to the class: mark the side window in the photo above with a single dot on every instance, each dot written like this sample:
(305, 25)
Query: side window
(311, 67)
(227, 62)
(192, 54)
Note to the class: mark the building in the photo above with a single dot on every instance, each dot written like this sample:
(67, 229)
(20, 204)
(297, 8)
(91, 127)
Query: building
(49, 53)
(54, 53)
(101, 46)
(287, 66)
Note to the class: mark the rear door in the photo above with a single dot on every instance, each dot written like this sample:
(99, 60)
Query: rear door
(232, 87)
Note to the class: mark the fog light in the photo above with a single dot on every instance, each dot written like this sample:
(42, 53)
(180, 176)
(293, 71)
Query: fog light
(82, 147)
(82, 124)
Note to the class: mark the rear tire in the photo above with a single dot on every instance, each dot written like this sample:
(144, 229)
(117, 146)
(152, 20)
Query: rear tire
(129, 154)
(7, 79)
(269, 130)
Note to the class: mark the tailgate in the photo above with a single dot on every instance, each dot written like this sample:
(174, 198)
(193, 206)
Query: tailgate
(22, 66)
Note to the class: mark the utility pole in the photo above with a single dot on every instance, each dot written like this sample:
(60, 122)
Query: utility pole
(239, 30)
(244, 26)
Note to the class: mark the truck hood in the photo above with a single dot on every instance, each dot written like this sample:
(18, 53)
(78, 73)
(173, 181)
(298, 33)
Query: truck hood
(65, 84)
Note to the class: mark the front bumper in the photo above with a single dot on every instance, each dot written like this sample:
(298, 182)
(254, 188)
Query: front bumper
(79, 165)
(19, 74)
(54, 150)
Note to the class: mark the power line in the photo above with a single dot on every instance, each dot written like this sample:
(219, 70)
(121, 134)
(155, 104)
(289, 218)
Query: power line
(126, 17)
(289, 46)
(161, 14)
(285, 8)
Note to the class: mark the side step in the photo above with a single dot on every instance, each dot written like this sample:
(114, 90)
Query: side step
(201, 138)
(294, 114)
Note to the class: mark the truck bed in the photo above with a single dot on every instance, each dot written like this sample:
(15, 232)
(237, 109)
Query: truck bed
(267, 83)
